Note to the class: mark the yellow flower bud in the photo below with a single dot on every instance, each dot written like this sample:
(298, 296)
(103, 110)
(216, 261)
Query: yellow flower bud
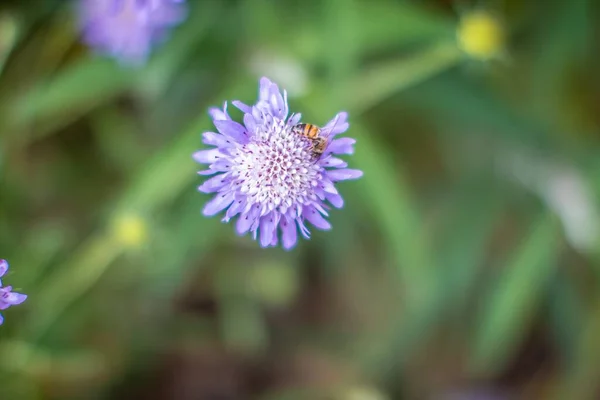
(363, 393)
(130, 230)
(480, 35)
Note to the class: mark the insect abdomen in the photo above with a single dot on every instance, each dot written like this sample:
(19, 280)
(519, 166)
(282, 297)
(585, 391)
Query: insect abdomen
(308, 130)
(311, 131)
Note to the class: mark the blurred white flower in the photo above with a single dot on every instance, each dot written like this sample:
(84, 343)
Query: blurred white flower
(288, 72)
(563, 189)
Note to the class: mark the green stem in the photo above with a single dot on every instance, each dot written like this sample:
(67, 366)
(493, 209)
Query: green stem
(382, 81)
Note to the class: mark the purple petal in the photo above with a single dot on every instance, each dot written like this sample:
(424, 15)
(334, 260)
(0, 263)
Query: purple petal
(294, 119)
(246, 220)
(264, 91)
(14, 298)
(338, 124)
(246, 109)
(250, 123)
(215, 139)
(8, 298)
(207, 172)
(218, 203)
(335, 199)
(289, 233)
(267, 229)
(342, 146)
(1, 319)
(214, 184)
(221, 165)
(233, 130)
(207, 156)
(3, 267)
(218, 115)
(328, 186)
(286, 109)
(332, 162)
(235, 208)
(303, 229)
(278, 105)
(321, 209)
(315, 218)
(343, 174)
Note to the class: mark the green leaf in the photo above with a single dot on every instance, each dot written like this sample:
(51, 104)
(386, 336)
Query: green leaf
(379, 82)
(70, 94)
(507, 311)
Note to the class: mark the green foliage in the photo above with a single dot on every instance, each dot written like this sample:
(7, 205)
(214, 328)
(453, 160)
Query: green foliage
(470, 241)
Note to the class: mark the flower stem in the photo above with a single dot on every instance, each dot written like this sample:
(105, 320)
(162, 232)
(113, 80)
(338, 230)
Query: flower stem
(382, 81)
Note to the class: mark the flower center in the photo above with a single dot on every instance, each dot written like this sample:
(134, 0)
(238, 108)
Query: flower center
(276, 168)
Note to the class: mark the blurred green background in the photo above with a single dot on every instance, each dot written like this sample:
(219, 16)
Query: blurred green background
(464, 264)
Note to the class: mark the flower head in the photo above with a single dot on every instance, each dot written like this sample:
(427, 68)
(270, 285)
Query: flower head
(7, 296)
(266, 174)
(128, 29)
(480, 35)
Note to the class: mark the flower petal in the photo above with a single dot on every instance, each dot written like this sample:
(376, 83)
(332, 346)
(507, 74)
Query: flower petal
(333, 162)
(277, 105)
(215, 139)
(14, 298)
(342, 146)
(218, 115)
(264, 90)
(335, 199)
(328, 186)
(236, 207)
(286, 109)
(1, 319)
(218, 203)
(303, 229)
(250, 123)
(267, 229)
(339, 124)
(246, 220)
(3, 267)
(343, 174)
(214, 184)
(233, 130)
(207, 156)
(207, 172)
(223, 164)
(315, 218)
(8, 298)
(294, 119)
(246, 109)
(289, 233)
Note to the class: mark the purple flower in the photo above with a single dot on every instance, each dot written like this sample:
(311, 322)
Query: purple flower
(128, 29)
(266, 174)
(7, 296)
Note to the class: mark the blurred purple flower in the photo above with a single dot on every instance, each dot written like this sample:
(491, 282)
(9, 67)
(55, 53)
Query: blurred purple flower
(266, 172)
(128, 29)
(7, 296)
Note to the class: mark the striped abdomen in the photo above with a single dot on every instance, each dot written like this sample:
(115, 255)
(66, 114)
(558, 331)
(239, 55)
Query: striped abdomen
(307, 130)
